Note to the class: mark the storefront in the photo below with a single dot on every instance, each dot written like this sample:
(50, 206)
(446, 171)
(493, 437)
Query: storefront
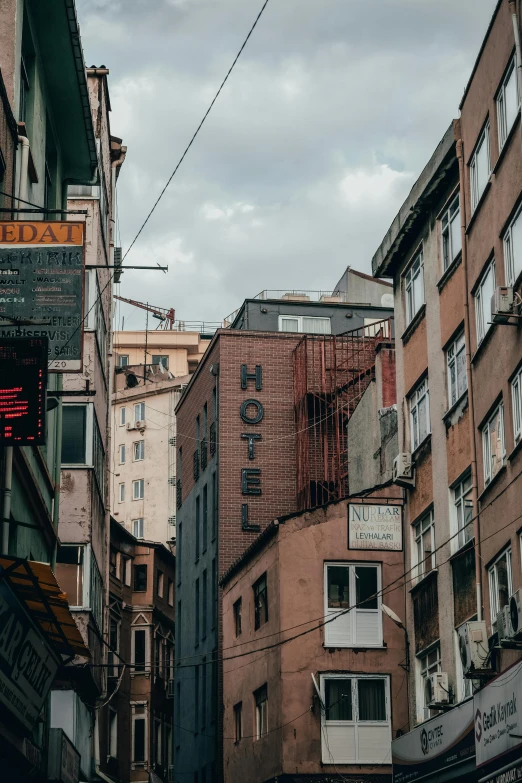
(498, 728)
(439, 750)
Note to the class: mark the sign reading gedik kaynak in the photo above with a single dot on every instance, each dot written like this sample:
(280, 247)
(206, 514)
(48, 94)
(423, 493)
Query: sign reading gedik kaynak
(41, 287)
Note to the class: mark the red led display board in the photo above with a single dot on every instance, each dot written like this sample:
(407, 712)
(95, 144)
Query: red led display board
(23, 381)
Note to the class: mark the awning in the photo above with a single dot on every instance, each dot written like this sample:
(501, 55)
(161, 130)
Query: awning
(35, 586)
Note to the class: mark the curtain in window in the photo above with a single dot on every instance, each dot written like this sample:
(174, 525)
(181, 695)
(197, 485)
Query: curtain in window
(289, 325)
(316, 325)
(338, 699)
(372, 701)
(74, 419)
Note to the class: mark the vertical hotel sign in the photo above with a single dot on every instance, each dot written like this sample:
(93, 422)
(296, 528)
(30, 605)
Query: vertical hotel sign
(41, 287)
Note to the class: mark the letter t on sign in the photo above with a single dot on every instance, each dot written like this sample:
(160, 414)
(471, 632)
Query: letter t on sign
(251, 437)
(256, 376)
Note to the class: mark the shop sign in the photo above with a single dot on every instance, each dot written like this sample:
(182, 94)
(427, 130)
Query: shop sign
(64, 759)
(512, 774)
(27, 664)
(374, 527)
(498, 715)
(23, 391)
(41, 287)
(438, 744)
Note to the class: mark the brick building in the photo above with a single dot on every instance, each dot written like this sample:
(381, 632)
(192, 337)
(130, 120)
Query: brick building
(135, 725)
(237, 470)
(459, 354)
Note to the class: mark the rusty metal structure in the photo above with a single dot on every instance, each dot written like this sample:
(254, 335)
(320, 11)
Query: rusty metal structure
(331, 374)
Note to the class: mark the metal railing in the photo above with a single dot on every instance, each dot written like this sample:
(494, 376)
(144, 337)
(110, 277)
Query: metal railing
(292, 295)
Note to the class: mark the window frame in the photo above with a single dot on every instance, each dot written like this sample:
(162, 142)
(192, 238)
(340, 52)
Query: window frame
(420, 392)
(261, 713)
(89, 435)
(409, 281)
(423, 672)
(112, 738)
(482, 325)
(138, 447)
(122, 449)
(139, 406)
(461, 499)
(500, 103)
(123, 416)
(140, 523)
(300, 319)
(146, 629)
(135, 718)
(493, 583)
(486, 444)
(123, 360)
(238, 722)
(164, 360)
(142, 566)
(258, 606)
(420, 572)
(121, 492)
(453, 351)
(516, 405)
(141, 483)
(446, 222)
(355, 611)
(237, 608)
(476, 196)
(512, 269)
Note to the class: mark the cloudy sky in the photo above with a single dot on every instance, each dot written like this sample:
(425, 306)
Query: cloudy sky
(328, 118)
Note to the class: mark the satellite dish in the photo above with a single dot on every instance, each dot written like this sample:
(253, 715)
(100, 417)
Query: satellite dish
(387, 300)
(318, 692)
(391, 614)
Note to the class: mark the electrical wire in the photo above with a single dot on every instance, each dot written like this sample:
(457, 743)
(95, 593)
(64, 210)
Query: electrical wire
(192, 140)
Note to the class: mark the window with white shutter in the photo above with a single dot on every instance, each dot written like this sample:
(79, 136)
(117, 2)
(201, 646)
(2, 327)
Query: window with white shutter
(352, 605)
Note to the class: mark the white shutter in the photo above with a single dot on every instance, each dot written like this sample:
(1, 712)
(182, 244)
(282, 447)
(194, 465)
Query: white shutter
(338, 633)
(338, 742)
(374, 743)
(367, 628)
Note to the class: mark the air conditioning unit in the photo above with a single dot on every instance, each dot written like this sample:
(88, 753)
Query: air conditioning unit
(403, 471)
(131, 425)
(436, 689)
(170, 689)
(473, 645)
(515, 610)
(140, 425)
(504, 627)
(502, 304)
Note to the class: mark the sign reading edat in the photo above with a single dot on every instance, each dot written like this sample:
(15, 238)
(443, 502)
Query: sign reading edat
(498, 715)
(41, 287)
(27, 664)
(374, 526)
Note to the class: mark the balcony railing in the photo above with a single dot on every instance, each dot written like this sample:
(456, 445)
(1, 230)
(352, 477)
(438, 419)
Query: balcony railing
(196, 465)
(296, 295)
(178, 494)
(203, 453)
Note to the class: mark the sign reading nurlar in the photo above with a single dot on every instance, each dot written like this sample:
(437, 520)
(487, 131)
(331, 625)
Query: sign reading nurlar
(374, 526)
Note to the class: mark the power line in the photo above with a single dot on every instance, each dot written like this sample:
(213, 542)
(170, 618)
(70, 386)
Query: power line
(192, 140)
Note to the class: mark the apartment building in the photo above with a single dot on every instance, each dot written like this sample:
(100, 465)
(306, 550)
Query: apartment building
(242, 447)
(136, 733)
(454, 257)
(151, 369)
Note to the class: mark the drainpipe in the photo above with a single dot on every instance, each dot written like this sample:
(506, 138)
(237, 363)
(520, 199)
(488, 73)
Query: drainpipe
(57, 470)
(474, 483)
(8, 451)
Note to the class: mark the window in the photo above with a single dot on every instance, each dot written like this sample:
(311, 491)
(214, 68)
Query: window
(139, 731)
(428, 663)
(138, 489)
(463, 511)
(355, 724)
(24, 90)
(179, 550)
(122, 454)
(123, 416)
(352, 596)
(513, 249)
(140, 649)
(493, 447)
(507, 103)
(307, 324)
(74, 435)
(198, 523)
(479, 168)
(261, 702)
(237, 617)
(113, 733)
(157, 741)
(126, 570)
(123, 360)
(204, 521)
(214, 592)
(457, 376)
(122, 492)
(516, 399)
(214, 505)
(414, 287)
(451, 233)
(196, 614)
(159, 583)
(113, 562)
(138, 528)
(260, 602)
(171, 592)
(424, 536)
(500, 584)
(238, 721)
(420, 414)
(114, 644)
(163, 360)
(139, 411)
(139, 450)
(70, 573)
(204, 599)
(483, 296)
(140, 578)
(96, 597)
(98, 457)
(196, 698)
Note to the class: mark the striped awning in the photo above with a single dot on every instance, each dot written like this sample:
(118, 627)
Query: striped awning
(36, 587)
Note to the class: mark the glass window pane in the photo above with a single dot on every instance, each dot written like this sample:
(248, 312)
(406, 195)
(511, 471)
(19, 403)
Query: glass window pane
(456, 236)
(502, 581)
(338, 699)
(511, 100)
(316, 325)
(74, 434)
(338, 587)
(516, 246)
(289, 325)
(372, 700)
(366, 587)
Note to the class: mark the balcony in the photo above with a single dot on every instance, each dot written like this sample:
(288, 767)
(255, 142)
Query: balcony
(213, 438)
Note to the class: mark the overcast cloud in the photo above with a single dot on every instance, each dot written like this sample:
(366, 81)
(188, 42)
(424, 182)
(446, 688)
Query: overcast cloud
(331, 113)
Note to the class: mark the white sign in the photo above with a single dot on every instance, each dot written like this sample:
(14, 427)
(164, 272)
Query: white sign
(498, 715)
(374, 526)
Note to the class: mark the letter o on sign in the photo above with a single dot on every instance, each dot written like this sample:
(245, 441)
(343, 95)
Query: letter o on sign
(252, 419)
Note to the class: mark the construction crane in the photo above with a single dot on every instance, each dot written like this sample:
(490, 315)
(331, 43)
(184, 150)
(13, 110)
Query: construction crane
(164, 315)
